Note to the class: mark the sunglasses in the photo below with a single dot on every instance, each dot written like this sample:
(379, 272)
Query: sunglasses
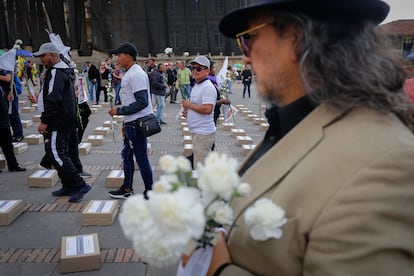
(243, 38)
(198, 68)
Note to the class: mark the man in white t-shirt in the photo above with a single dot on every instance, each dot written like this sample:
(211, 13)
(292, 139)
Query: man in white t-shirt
(136, 103)
(199, 109)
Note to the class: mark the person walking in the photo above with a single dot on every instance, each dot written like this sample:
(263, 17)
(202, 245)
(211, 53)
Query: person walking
(246, 76)
(171, 81)
(117, 78)
(104, 76)
(199, 110)
(58, 121)
(333, 175)
(6, 98)
(94, 78)
(136, 103)
(183, 78)
(158, 88)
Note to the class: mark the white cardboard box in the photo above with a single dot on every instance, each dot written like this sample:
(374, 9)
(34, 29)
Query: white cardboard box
(27, 123)
(2, 161)
(95, 140)
(248, 148)
(188, 149)
(84, 148)
(118, 118)
(228, 126)
(109, 124)
(36, 118)
(115, 179)
(10, 210)
(100, 212)
(244, 140)
(188, 139)
(186, 131)
(27, 109)
(34, 139)
(43, 179)
(80, 253)
(102, 131)
(264, 126)
(19, 147)
(149, 148)
(238, 132)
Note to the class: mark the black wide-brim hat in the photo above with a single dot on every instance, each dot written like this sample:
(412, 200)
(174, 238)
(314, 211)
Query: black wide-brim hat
(363, 10)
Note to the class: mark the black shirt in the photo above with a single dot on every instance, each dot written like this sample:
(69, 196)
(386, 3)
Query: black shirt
(281, 121)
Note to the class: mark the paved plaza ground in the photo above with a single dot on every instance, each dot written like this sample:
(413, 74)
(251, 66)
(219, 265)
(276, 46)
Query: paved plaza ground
(30, 245)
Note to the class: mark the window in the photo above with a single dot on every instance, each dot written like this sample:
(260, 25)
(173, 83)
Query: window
(219, 5)
(196, 6)
(196, 39)
(175, 42)
(241, 3)
(218, 40)
(172, 5)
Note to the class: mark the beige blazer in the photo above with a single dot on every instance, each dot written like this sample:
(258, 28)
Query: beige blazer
(346, 182)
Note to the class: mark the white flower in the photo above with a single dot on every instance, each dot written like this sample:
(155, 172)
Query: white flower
(183, 164)
(220, 212)
(177, 213)
(168, 164)
(244, 189)
(218, 176)
(169, 178)
(266, 218)
(162, 187)
(180, 212)
(156, 253)
(135, 217)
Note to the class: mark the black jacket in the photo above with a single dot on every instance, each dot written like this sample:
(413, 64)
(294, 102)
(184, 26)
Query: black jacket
(157, 83)
(59, 98)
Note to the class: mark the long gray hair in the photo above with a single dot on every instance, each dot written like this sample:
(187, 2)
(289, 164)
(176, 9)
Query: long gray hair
(348, 63)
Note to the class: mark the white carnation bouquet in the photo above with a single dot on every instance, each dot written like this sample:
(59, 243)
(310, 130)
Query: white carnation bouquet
(185, 212)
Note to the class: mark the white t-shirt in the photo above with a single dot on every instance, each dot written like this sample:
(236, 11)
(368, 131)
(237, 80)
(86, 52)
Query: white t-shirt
(202, 93)
(135, 79)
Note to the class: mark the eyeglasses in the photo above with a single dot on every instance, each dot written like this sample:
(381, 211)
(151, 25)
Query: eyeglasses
(197, 68)
(243, 38)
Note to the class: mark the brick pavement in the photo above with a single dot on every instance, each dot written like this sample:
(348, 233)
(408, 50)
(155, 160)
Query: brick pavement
(31, 244)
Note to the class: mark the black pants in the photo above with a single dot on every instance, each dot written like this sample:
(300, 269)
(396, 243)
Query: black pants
(246, 85)
(57, 147)
(7, 147)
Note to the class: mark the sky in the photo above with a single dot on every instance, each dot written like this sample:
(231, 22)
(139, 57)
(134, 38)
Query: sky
(400, 9)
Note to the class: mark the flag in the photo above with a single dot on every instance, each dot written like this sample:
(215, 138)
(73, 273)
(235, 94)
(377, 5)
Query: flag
(228, 112)
(222, 74)
(8, 60)
(82, 96)
(57, 41)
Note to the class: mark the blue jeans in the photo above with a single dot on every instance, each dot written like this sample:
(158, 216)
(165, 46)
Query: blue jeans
(160, 107)
(185, 90)
(92, 87)
(135, 143)
(117, 87)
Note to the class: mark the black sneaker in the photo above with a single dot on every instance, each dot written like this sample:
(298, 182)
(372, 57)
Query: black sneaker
(64, 191)
(17, 169)
(77, 195)
(121, 193)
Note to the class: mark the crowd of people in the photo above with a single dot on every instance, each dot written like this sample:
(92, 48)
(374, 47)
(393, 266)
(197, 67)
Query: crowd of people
(337, 155)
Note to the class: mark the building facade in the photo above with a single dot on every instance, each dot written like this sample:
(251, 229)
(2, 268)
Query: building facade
(153, 25)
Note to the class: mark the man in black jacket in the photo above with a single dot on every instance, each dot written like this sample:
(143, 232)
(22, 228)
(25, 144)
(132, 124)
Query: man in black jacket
(158, 88)
(58, 120)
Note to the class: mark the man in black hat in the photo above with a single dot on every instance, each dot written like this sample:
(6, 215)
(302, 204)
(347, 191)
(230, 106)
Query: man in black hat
(337, 158)
(136, 103)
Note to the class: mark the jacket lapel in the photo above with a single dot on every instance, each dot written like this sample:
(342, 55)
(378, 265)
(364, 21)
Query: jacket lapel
(269, 170)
